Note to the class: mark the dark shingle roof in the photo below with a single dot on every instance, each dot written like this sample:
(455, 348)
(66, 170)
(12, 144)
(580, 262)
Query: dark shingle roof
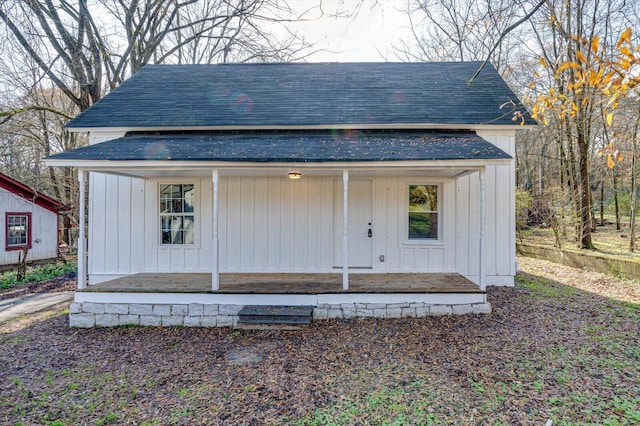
(301, 94)
(291, 147)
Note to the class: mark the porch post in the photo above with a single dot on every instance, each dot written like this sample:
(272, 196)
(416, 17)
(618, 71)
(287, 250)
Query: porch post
(215, 273)
(82, 252)
(482, 228)
(345, 235)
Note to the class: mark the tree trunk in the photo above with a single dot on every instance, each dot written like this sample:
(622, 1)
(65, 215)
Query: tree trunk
(615, 199)
(601, 202)
(632, 213)
(584, 213)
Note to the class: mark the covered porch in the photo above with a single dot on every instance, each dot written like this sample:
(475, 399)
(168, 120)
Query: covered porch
(324, 220)
(316, 220)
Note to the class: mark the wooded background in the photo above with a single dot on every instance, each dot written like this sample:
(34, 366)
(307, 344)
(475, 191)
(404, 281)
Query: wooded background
(573, 62)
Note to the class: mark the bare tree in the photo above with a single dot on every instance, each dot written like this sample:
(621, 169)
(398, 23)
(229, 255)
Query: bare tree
(559, 32)
(454, 30)
(84, 48)
(35, 134)
(59, 57)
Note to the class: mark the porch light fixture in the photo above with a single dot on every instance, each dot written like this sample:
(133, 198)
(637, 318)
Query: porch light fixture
(295, 175)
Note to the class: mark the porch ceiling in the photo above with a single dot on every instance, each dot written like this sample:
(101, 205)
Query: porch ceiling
(283, 171)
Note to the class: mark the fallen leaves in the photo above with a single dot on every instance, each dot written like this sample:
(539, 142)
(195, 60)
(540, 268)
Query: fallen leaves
(559, 346)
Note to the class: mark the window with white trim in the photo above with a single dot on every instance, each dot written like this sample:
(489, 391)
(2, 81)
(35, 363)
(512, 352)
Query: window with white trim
(18, 230)
(177, 213)
(423, 212)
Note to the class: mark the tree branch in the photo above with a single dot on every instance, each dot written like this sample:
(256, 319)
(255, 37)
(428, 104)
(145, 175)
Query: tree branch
(503, 35)
(8, 115)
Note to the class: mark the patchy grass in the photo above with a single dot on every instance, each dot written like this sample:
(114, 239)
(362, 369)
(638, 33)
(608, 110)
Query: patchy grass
(539, 286)
(36, 274)
(562, 346)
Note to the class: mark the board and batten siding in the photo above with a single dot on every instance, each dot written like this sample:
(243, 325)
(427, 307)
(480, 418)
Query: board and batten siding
(44, 229)
(275, 224)
(500, 242)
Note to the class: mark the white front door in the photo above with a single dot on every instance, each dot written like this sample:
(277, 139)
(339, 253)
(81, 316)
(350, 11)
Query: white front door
(360, 224)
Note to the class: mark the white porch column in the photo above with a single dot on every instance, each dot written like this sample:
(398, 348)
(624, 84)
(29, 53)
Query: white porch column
(215, 272)
(481, 174)
(82, 245)
(345, 234)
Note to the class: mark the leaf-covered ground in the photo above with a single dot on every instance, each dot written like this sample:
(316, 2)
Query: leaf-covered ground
(564, 345)
(608, 241)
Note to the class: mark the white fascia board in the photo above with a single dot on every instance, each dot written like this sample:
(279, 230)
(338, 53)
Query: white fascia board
(342, 126)
(98, 165)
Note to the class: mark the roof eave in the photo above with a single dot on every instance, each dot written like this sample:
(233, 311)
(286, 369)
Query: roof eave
(343, 126)
(98, 165)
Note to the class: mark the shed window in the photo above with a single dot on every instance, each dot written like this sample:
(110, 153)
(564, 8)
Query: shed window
(423, 212)
(18, 231)
(177, 213)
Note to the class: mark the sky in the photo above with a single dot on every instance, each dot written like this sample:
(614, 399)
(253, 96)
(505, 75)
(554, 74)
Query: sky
(369, 35)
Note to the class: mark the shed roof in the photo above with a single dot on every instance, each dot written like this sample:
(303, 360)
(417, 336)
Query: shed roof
(322, 95)
(295, 147)
(30, 194)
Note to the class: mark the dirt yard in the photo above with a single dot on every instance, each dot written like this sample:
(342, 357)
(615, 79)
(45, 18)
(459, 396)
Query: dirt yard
(561, 346)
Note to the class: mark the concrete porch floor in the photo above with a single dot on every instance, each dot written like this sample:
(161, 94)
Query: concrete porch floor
(289, 283)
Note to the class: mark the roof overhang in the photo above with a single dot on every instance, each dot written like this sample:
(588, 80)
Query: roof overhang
(161, 169)
(329, 126)
(446, 154)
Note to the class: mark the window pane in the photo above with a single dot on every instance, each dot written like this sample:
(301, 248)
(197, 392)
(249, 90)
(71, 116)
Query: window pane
(423, 226)
(165, 191)
(189, 195)
(188, 230)
(165, 198)
(423, 198)
(176, 206)
(166, 237)
(176, 191)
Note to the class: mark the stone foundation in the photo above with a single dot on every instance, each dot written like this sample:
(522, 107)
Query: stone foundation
(91, 314)
(395, 310)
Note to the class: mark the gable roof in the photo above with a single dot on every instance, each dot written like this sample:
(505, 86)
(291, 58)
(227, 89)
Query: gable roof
(304, 95)
(30, 194)
(294, 147)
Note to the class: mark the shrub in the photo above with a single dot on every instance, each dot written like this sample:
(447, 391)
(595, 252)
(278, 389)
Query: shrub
(523, 208)
(36, 274)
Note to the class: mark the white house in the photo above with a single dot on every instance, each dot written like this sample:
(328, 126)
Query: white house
(28, 218)
(359, 189)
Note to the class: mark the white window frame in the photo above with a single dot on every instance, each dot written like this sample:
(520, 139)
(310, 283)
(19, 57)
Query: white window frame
(404, 213)
(159, 214)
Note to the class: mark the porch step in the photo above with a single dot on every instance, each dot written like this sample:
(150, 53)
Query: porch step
(258, 315)
(269, 327)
